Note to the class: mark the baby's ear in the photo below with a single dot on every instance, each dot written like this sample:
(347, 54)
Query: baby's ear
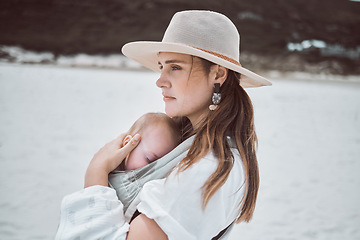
(126, 140)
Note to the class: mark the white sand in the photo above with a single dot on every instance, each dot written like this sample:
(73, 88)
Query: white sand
(52, 120)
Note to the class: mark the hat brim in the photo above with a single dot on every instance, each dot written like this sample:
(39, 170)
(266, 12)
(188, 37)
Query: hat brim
(146, 53)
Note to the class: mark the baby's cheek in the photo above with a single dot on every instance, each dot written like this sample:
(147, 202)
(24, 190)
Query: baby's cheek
(135, 164)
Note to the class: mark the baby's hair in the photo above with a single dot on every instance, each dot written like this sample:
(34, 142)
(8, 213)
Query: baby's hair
(153, 119)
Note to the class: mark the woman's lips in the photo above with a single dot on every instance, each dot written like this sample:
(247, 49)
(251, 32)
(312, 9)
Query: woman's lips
(167, 98)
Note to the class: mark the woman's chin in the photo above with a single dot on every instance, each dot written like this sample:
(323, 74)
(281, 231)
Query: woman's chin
(170, 112)
(170, 115)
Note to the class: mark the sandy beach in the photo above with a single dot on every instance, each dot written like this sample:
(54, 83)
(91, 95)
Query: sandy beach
(53, 119)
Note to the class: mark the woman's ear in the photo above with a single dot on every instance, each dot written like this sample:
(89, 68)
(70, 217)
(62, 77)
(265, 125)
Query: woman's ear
(221, 74)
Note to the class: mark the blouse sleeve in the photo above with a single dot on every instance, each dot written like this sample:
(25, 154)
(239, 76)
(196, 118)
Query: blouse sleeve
(92, 213)
(175, 203)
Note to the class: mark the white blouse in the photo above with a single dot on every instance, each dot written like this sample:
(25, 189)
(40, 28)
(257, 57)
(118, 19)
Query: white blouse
(175, 203)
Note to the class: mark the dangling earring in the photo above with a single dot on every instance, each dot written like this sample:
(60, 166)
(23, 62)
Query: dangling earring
(216, 97)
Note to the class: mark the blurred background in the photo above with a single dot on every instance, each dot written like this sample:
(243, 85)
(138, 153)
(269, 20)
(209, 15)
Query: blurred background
(292, 35)
(65, 90)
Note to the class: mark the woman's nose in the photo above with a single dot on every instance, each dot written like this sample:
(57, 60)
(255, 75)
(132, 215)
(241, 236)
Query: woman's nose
(162, 81)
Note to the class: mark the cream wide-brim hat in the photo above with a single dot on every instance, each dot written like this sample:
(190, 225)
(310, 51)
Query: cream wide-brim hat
(205, 34)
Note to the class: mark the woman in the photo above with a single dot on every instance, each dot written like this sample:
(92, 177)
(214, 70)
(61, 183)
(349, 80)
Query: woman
(216, 184)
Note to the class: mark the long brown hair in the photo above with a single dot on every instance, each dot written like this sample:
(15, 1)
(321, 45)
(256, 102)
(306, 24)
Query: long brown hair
(234, 117)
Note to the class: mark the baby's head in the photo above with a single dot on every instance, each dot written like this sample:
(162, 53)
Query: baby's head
(159, 135)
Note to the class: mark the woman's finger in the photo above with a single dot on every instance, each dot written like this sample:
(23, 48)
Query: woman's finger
(119, 140)
(125, 150)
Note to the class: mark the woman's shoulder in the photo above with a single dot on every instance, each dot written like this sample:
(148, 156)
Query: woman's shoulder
(211, 159)
(176, 202)
(200, 171)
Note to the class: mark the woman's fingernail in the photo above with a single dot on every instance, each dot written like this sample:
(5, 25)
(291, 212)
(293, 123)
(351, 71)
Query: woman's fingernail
(137, 137)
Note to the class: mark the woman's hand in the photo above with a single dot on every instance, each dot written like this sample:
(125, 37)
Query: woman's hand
(107, 159)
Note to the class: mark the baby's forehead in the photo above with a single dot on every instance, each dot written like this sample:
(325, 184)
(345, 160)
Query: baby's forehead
(161, 127)
(158, 136)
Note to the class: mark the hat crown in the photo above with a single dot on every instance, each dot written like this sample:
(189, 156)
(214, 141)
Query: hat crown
(205, 34)
(206, 30)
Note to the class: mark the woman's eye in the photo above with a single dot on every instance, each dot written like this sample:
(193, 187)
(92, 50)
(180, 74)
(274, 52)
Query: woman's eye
(174, 68)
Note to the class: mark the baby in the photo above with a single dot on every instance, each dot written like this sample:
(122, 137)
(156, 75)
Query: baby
(159, 135)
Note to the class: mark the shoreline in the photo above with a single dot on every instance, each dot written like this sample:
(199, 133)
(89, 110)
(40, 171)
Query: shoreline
(277, 75)
(310, 77)
(272, 67)
(73, 66)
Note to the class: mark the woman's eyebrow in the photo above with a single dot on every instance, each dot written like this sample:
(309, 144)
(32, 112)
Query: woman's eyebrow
(173, 61)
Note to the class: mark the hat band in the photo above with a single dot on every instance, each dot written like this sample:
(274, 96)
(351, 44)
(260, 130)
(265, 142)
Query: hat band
(220, 56)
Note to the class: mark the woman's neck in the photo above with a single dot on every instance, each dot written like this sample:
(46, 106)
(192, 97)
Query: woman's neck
(196, 120)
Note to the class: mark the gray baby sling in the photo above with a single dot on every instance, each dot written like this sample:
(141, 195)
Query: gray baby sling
(128, 184)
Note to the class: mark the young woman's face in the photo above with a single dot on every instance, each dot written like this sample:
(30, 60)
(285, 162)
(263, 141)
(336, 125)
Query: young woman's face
(156, 141)
(186, 88)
